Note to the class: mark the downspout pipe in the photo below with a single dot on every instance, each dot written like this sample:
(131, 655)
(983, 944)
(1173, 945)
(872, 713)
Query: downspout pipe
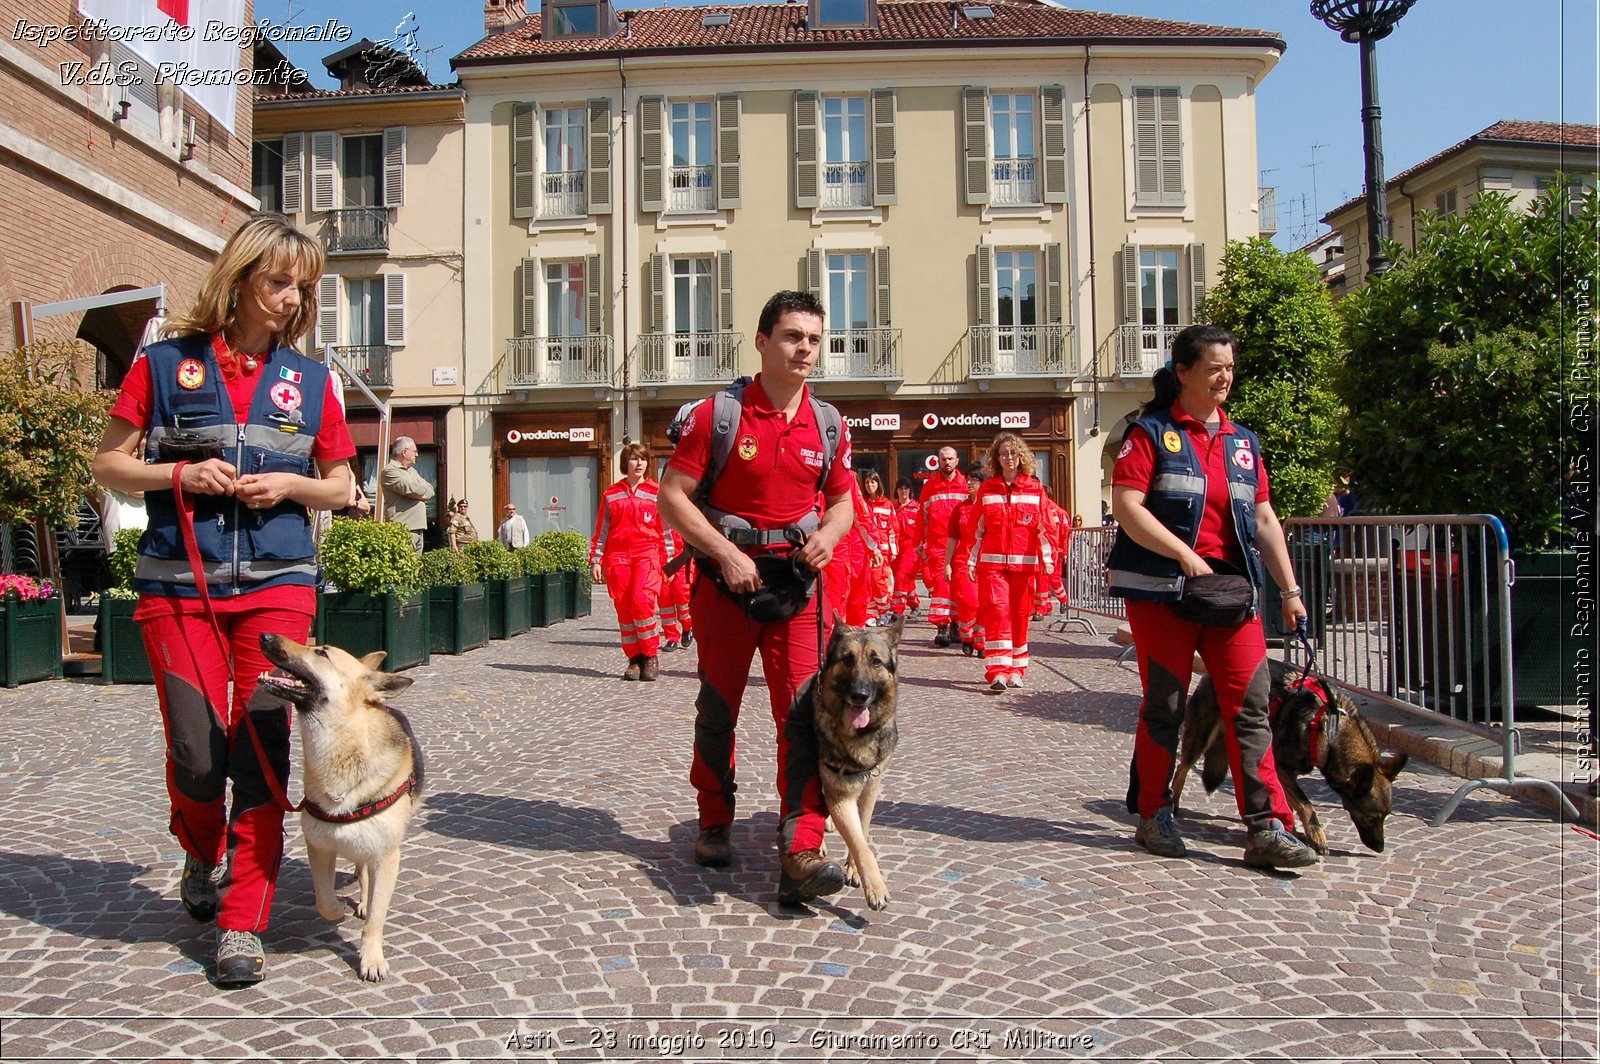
(1088, 163)
(625, 221)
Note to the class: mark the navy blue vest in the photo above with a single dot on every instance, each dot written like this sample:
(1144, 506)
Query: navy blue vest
(242, 549)
(1177, 498)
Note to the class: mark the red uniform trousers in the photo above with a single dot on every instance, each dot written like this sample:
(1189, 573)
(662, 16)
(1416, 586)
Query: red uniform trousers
(1005, 606)
(964, 595)
(727, 643)
(676, 620)
(940, 604)
(880, 585)
(849, 585)
(905, 582)
(209, 744)
(1236, 659)
(635, 587)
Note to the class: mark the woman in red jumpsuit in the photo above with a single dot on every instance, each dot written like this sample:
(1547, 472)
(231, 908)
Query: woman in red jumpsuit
(677, 625)
(907, 529)
(963, 588)
(1057, 524)
(628, 551)
(848, 584)
(881, 574)
(1011, 548)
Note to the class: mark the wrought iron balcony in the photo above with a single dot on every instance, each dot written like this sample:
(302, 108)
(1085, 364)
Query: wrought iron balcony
(693, 189)
(1140, 350)
(1267, 211)
(357, 229)
(543, 361)
(373, 363)
(1015, 183)
(845, 185)
(689, 358)
(860, 354)
(564, 194)
(1003, 351)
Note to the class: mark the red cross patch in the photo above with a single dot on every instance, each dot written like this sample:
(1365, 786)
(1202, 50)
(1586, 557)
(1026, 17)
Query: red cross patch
(286, 397)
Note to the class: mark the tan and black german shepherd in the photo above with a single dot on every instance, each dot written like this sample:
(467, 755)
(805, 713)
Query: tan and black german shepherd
(852, 704)
(1340, 745)
(362, 772)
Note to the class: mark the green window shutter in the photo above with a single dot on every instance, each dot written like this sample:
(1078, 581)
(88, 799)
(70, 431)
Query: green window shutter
(1197, 280)
(294, 180)
(728, 116)
(328, 310)
(599, 182)
(725, 291)
(985, 284)
(885, 183)
(394, 166)
(324, 148)
(1054, 306)
(524, 181)
(880, 281)
(532, 294)
(1130, 284)
(807, 179)
(594, 308)
(975, 141)
(656, 295)
(814, 273)
(1053, 104)
(652, 153)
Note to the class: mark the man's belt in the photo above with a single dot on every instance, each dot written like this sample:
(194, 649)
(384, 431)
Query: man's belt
(757, 537)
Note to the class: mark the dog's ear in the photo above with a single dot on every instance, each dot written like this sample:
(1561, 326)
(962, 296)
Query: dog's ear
(1360, 781)
(840, 630)
(1390, 766)
(374, 659)
(389, 683)
(895, 631)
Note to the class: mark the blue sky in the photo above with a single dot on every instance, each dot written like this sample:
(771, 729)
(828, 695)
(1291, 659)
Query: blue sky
(1451, 68)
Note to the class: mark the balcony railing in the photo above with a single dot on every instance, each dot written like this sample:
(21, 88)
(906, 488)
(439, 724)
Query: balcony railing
(373, 363)
(689, 358)
(693, 188)
(564, 194)
(1015, 183)
(357, 229)
(845, 185)
(542, 361)
(860, 354)
(1143, 349)
(1267, 204)
(998, 351)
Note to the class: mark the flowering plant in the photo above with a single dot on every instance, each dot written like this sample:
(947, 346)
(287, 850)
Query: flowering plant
(25, 587)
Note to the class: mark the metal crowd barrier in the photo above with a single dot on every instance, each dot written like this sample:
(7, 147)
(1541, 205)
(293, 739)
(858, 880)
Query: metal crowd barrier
(1084, 577)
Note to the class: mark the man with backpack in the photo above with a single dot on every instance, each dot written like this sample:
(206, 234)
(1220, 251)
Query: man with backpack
(759, 544)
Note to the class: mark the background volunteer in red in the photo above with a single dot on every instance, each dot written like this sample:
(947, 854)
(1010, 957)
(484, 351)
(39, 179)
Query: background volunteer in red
(629, 552)
(1012, 548)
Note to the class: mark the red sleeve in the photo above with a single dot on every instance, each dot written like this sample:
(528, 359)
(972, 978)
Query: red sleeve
(333, 442)
(133, 402)
(1136, 461)
(1262, 494)
(693, 453)
(840, 478)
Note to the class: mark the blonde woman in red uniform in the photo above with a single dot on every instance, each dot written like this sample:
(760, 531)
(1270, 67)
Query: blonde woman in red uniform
(629, 552)
(1011, 547)
(880, 575)
(963, 588)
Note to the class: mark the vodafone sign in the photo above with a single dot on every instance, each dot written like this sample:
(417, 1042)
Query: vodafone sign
(1006, 419)
(575, 435)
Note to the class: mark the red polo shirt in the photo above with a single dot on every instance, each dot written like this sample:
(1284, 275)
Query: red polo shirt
(1136, 462)
(771, 476)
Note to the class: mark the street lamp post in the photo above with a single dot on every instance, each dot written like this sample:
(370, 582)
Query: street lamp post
(1366, 22)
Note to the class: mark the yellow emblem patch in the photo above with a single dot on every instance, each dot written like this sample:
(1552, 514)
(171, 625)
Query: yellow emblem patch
(747, 446)
(1171, 442)
(191, 374)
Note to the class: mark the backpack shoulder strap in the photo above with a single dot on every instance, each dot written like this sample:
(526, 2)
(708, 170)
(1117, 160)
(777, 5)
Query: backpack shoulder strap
(830, 423)
(726, 409)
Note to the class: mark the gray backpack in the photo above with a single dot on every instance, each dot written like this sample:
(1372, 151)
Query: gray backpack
(726, 407)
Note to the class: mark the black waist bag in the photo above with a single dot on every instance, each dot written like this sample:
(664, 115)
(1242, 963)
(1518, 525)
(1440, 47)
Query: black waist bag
(786, 588)
(1223, 600)
(187, 447)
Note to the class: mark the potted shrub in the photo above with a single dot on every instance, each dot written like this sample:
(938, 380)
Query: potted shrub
(569, 555)
(122, 654)
(546, 592)
(30, 625)
(504, 587)
(458, 613)
(378, 603)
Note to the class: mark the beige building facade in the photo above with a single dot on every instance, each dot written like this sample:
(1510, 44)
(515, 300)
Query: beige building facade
(1008, 210)
(1515, 158)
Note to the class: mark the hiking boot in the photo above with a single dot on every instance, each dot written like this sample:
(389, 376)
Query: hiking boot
(1159, 835)
(1014, 680)
(712, 848)
(998, 684)
(941, 638)
(806, 875)
(668, 646)
(1273, 847)
(634, 669)
(688, 637)
(198, 889)
(649, 668)
(240, 958)
(966, 647)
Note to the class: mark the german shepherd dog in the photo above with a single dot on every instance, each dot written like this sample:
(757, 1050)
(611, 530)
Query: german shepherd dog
(362, 769)
(852, 706)
(1313, 726)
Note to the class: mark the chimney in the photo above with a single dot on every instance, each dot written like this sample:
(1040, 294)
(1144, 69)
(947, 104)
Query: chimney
(502, 15)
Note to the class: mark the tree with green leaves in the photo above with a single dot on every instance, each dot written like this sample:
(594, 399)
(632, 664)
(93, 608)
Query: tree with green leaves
(1275, 305)
(1460, 356)
(50, 428)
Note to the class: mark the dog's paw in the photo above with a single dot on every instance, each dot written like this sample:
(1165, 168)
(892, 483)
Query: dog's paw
(374, 967)
(852, 877)
(877, 895)
(333, 912)
(1317, 839)
(359, 904)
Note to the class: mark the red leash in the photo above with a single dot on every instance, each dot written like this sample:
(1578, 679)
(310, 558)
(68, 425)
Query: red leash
(197, 565)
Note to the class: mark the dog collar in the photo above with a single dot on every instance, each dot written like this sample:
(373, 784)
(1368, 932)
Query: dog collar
(371, 809)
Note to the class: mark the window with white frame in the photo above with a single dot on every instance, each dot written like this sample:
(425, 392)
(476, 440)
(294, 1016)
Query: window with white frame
(565, 166)
(266, 173)
(565, 291)
(849, 288)
(362, 176)
(1012, 139)
(694, 295)
(1159, 285)
(845, 152)
(692, 182)
(363, 300)
(1445, 203)
(1016, 294)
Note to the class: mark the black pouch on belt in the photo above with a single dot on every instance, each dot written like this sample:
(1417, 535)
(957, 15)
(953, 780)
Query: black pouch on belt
(187, 447)
(1222, 599)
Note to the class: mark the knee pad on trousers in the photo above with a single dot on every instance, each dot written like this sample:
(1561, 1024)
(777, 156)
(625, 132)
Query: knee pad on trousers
(198, 746)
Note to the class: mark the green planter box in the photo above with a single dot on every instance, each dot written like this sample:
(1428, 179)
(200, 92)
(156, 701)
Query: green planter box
(508, 606)
(122, 654)
(576, 588)
(547, 594)
(397, 625)
(1544, 611)
(32, 634)
(458, 618)
(519, 613)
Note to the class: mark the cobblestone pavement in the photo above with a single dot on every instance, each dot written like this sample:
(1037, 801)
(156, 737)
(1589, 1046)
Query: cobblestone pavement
(547, 908)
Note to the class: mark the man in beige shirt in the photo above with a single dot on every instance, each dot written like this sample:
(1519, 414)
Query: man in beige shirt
(405, 493)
